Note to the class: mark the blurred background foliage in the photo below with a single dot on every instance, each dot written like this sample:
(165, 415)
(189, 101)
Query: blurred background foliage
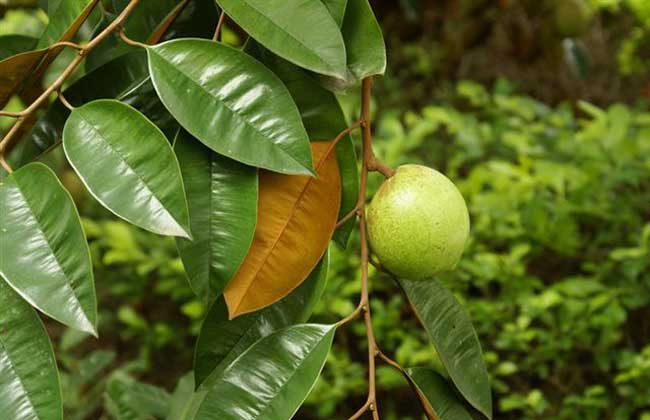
(538, 109)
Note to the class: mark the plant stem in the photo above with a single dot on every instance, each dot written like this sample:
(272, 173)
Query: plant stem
(369, 163)
(217, 30)
(24, 115)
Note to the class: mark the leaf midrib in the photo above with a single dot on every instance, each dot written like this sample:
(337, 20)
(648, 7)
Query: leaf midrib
(128, 164)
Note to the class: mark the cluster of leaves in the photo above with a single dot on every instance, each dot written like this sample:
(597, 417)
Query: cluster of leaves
(556, 278)
(234, 152)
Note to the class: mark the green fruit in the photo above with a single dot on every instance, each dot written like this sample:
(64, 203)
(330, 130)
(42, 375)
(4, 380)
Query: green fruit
(572, 18)
(418, 223)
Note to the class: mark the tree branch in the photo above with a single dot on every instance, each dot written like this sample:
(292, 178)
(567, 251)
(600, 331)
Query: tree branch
(24, 115)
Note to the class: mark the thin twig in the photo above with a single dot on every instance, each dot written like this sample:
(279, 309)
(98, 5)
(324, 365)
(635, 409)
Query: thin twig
(66, 44)
(130, 41)
(26, 113)
(353, 315)
(217, 30)
(343, 220)
(375, 165)
(5, 165)
(167, 23)
(360, 412)
(63, 100)
(10, 114)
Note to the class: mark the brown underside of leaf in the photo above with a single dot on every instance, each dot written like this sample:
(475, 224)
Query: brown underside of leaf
(13, 71)
(296, 218)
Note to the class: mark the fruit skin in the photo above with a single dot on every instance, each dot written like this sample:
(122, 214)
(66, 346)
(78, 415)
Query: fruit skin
(418, 223)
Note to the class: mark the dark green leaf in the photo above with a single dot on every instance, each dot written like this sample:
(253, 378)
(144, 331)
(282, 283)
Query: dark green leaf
(128, 399)
(221, 340)
(272, 378)
(128, 166)
(336, 9)
(149, 22)
(364, 41)
(48, 262)
(324, 120)
(438, 393)
(222, 199)
(231, 103)
(125, 78)
(29, 382)
(304, 33)
(453, 335)
(65, 17)
(15, 44)
(181, 397)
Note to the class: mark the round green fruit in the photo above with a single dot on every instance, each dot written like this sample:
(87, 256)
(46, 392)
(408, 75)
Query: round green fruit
(418, 224)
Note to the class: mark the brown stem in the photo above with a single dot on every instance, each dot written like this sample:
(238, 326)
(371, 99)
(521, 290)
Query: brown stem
(167, 23)
(63, 100)
(375, 165)
(25, 114)
(217, 30)
(369, 163)
(354, 212)
(130, 41)
(5, 165)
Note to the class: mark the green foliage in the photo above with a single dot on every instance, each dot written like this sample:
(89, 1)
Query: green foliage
(556, 275)
(555, 279)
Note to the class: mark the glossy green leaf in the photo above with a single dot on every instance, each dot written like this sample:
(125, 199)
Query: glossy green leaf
(222, 199)
(323, 118)
(65, 17)
(441, 398)
(454, 338)
(29, 381)
(128, 166)
(46, 259)
(15, 44)
(128, 399)
(336, 9)
(221, 340)
(231, 103)
(364, 42)
(272, 378)
(302, 32)
(126, 78)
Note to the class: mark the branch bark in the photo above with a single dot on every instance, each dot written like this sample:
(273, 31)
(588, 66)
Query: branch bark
(24, 115)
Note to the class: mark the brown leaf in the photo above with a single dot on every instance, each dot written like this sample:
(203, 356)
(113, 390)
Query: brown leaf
(296, 218)
(13, 71)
